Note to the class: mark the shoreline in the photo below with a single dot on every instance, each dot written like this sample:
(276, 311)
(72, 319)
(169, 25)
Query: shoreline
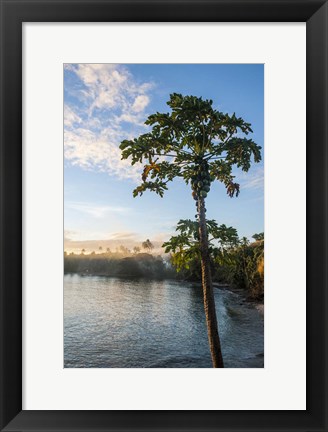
(258, 304)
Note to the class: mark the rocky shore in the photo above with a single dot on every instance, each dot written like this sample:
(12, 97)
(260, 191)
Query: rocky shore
(258, 304)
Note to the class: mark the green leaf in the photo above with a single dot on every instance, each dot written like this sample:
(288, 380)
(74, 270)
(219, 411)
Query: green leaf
(191, 136)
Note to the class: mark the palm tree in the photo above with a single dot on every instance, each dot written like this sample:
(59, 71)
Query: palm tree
(147, 245)
(258, 237)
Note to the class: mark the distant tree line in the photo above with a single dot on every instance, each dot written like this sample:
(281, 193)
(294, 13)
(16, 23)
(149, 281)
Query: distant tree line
(119, 251)
(121, 263)
(236, 262)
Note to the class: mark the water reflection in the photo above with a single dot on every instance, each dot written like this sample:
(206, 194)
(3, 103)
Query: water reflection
(110, 322)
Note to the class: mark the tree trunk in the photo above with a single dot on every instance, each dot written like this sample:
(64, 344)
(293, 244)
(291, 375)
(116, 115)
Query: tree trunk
(209, 302)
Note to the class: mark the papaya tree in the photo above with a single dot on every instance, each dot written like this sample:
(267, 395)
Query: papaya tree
(185, 246)
(199, 144)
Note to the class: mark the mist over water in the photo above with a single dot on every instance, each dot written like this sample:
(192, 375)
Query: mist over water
(124, 323)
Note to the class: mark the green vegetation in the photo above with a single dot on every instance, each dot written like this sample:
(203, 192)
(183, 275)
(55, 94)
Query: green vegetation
(234, 261)
(186, 249)
(200, 145)
(141, 265)
(258, 237)
(243, 267)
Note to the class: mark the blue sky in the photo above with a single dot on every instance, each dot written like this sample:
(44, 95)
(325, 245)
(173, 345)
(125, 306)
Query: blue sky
(104, 104)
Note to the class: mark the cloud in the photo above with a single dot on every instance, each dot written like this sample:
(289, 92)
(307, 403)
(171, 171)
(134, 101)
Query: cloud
(92, 240)
(90, 150)
(70, 117)
(112, 241)
(254, 179)
(68, 235)
(110, 87)
(140, 103)
(97, 211)
(123, 235)
(104, 105)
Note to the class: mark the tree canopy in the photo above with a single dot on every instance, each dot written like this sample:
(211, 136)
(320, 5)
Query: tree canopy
(185, 247)
(259, 236)
(148, 245)
(192, 137)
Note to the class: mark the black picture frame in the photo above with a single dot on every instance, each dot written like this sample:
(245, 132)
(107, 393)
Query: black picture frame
(13, 14)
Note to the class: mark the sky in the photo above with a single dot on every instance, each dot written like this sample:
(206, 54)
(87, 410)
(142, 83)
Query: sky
(107, 103)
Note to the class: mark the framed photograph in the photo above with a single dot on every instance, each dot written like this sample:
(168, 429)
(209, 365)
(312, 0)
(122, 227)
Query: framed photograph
(163, 203)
